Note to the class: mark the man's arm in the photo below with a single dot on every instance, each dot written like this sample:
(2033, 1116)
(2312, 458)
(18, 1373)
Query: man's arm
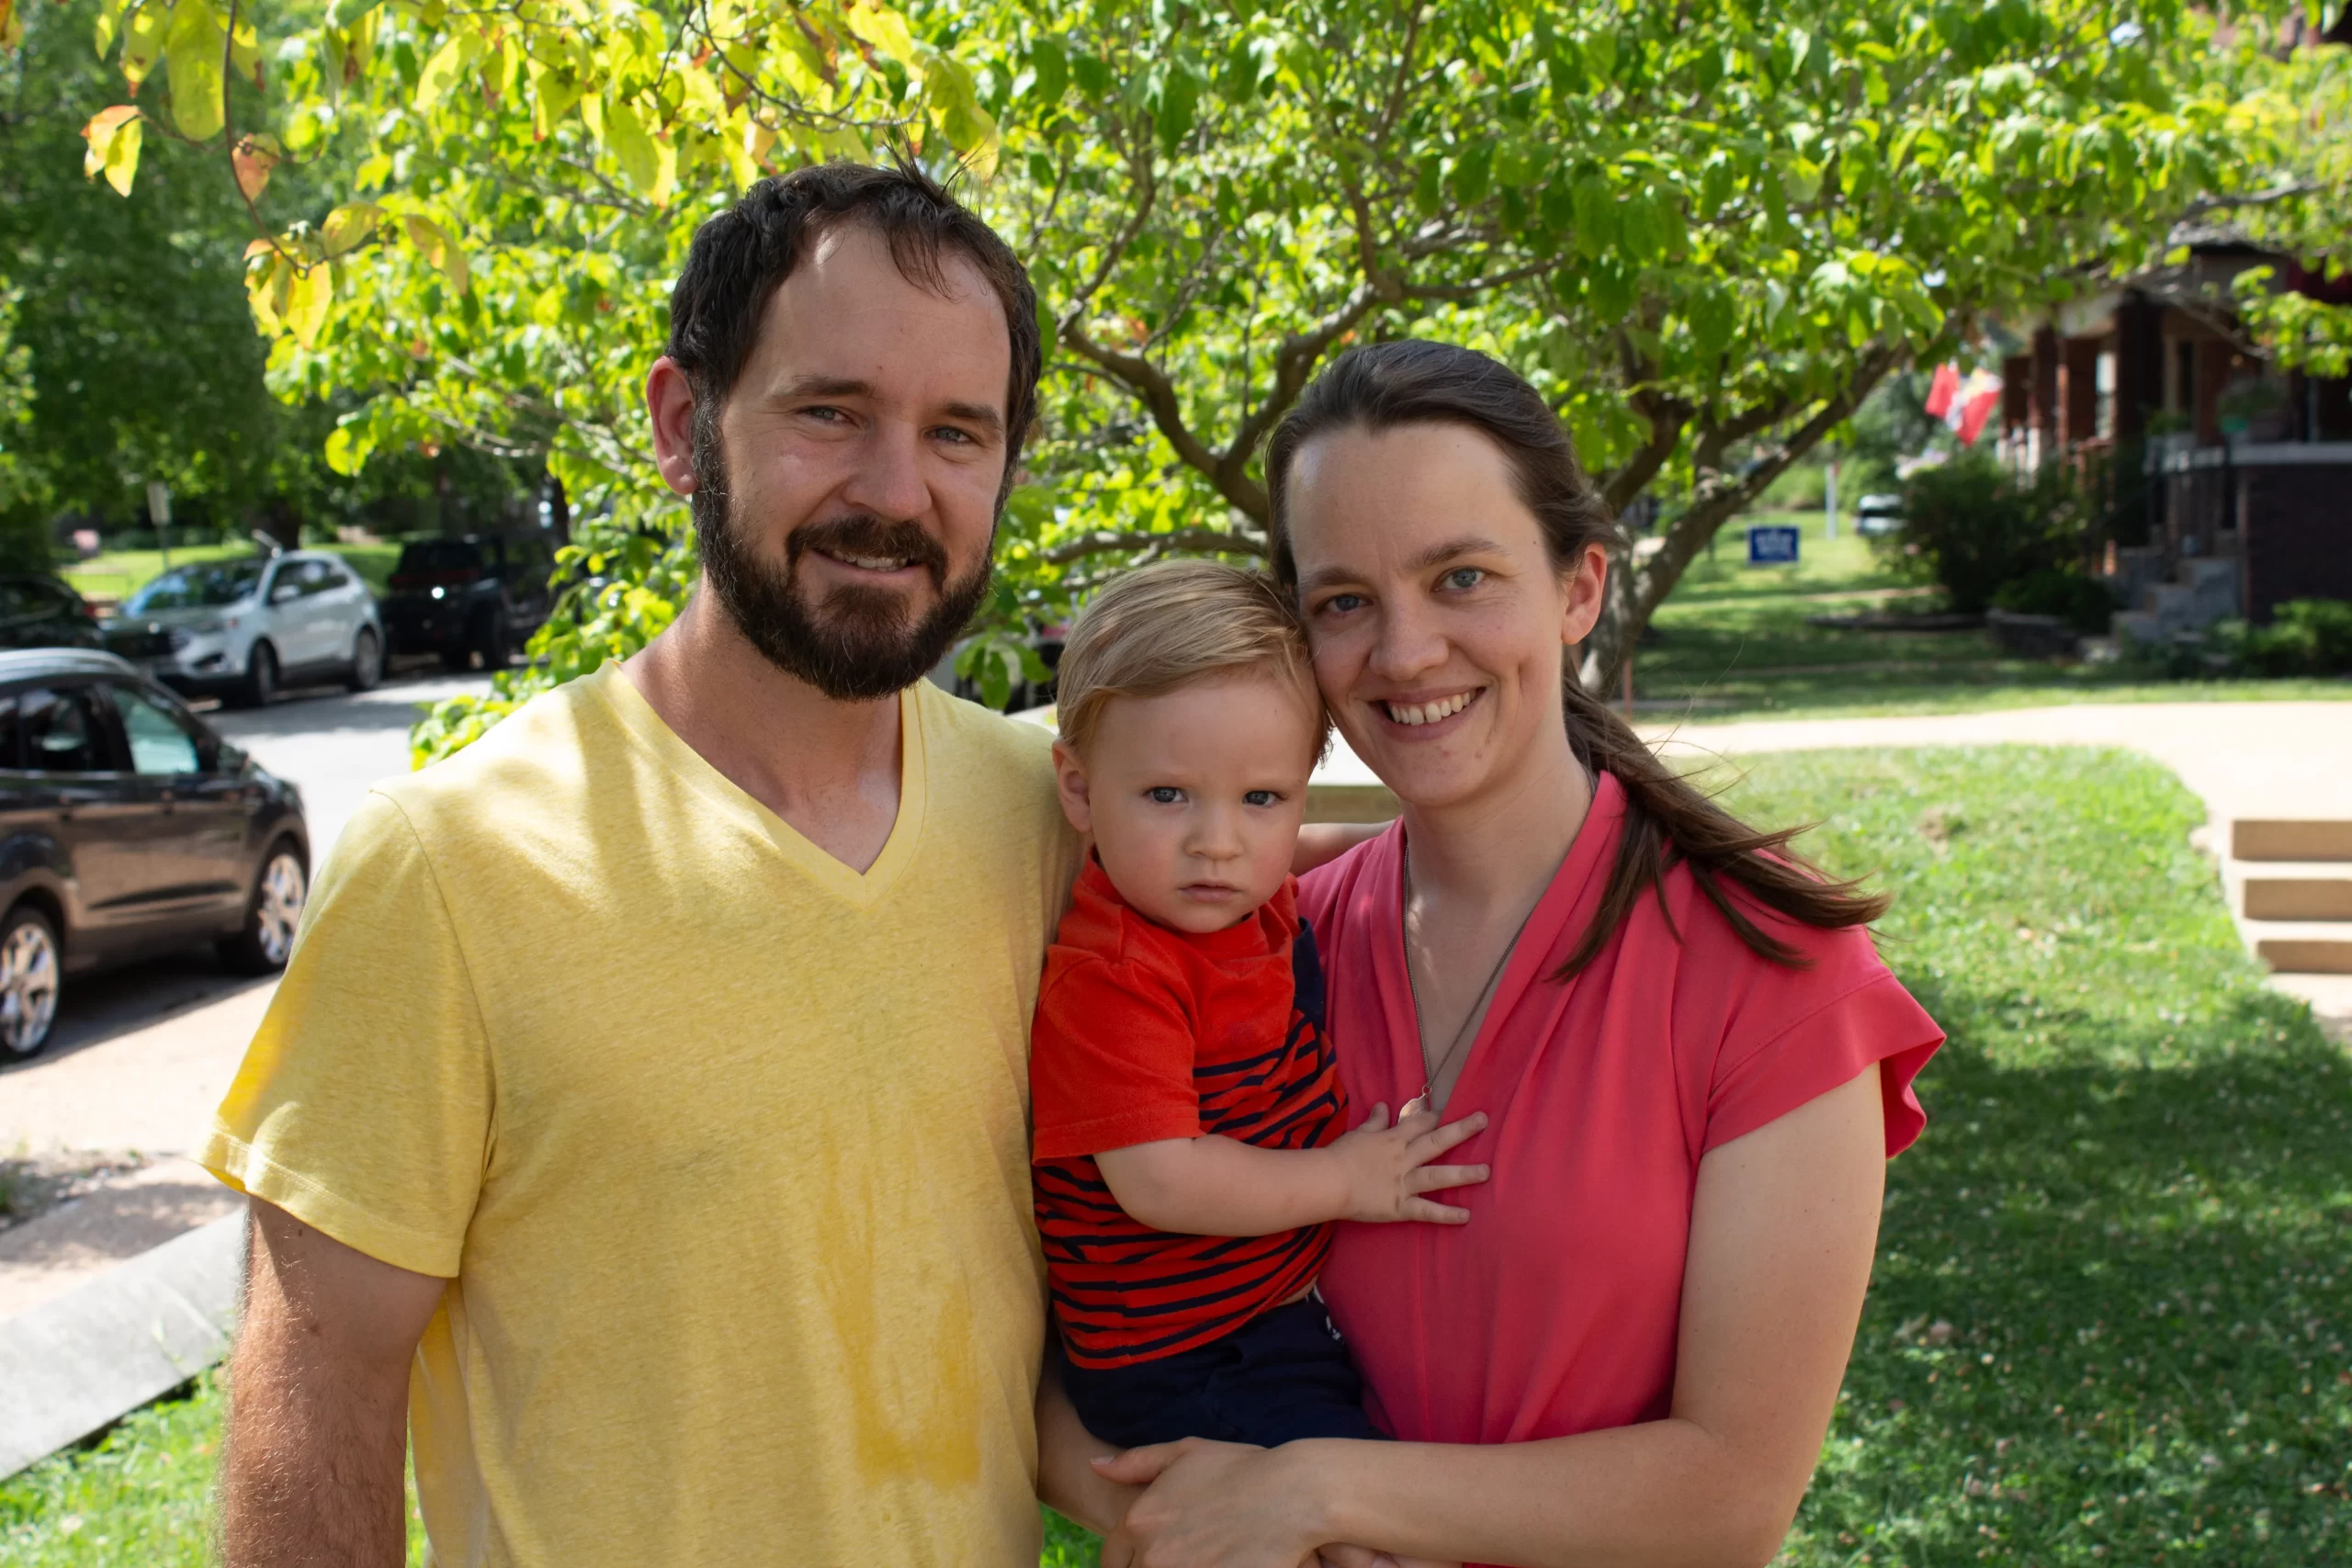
(1218, 1185)
(318, 1410)
(1322, 841)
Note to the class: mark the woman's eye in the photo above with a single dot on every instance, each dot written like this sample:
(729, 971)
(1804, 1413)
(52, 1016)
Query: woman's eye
(1164, 794)
(1343, 604)
(1260, 797)
(1464, 576)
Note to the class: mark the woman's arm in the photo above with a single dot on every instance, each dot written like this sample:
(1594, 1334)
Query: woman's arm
(1784, 1227)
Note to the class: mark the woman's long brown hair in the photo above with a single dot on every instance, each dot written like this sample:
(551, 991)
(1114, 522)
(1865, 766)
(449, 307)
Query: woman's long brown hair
(1668, 821)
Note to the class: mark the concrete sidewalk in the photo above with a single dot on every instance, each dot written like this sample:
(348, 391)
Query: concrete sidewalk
(2243, 759)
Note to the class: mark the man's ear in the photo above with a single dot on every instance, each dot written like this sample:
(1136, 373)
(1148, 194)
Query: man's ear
(1070, 782)
(670, 398)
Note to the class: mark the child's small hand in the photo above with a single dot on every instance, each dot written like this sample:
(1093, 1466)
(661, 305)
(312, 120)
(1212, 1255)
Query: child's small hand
(1388, 1168)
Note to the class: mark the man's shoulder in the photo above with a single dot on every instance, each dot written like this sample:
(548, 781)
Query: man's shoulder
(982, 740)
(530, 760)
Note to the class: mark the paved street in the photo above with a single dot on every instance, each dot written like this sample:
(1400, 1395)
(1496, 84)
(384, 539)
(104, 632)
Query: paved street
(140, 1057)
(335, 745)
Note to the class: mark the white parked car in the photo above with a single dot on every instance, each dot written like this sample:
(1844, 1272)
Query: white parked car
(1877, 514)
(243, 629)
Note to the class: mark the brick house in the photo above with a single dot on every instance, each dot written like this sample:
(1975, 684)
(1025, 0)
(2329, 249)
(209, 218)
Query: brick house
(2232, 480)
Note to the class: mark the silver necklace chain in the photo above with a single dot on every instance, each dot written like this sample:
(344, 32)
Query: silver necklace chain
(1477, 1004)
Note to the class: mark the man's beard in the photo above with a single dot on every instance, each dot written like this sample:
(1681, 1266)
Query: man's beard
(856, 644)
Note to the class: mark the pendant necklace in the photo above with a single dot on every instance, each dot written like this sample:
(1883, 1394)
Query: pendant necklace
(1476, 1014)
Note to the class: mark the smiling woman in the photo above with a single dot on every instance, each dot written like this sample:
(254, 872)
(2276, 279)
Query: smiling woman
(1691, 1061)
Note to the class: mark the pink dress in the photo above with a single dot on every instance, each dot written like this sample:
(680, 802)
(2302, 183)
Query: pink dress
(1555, 1310)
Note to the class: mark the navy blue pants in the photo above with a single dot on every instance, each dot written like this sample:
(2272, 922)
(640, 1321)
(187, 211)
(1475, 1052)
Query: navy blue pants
(1283, 1374)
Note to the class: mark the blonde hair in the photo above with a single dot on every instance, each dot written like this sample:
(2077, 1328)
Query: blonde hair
(1165, 628)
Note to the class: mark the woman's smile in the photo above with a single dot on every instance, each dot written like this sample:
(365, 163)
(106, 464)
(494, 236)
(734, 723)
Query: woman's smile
(1428, 716)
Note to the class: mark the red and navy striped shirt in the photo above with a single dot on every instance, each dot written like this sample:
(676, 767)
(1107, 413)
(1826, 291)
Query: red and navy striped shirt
(1145, 1034)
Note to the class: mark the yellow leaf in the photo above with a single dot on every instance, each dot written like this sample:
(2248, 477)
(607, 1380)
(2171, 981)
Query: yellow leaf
(887, 31)
(142, 41)
(114, 135)
(244, 53)
(443, 70)
(192, 56)
(434, 243)
(349, 225)
(556, 89)
(266, 287)
(626, 135)
(743, 165)
(309, 296)
(11, 27)
(109, 23)
(253, 158)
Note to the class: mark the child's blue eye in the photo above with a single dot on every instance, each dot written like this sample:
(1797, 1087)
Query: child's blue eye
(1164, 794)
(1260, 797)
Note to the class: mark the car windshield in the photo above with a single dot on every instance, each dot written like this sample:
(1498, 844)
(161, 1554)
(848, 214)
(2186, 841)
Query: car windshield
(194, 587)
(440, 555)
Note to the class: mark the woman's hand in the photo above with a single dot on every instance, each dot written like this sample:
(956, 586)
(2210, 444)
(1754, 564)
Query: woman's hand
(1225, 1506)
(1210, 1505)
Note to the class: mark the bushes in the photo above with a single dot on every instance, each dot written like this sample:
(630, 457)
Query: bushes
(2307, 636)
(1974, 527)
(2083, 603)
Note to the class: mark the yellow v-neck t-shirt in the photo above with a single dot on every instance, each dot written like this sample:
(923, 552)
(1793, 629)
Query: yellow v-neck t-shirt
(721, 1144)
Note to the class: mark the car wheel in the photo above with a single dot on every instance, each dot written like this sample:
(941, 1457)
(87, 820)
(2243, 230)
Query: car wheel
(494, 643)
(260, 689)
(367, 661)
(272, 914)
(28, 970)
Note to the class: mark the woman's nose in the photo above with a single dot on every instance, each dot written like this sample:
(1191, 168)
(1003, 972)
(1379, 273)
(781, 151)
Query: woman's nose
(1410, 644)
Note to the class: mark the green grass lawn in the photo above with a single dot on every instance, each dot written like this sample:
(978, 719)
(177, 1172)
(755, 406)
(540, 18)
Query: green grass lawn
(2109, 1319)
(117, 574)
(1731, 641)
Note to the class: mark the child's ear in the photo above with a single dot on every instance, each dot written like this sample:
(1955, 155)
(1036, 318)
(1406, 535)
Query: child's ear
(1070, 782)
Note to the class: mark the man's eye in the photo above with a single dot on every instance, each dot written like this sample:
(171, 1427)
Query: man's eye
(1262, 797)
(948, 433)
(1464, 576)
(824, 412)
(1164, 794)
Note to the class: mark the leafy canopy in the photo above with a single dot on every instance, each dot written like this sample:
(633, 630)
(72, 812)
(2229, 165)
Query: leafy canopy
(1705, 233)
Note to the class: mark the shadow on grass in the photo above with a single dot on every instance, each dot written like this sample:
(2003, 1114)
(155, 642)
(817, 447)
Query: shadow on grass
(2108, 1321)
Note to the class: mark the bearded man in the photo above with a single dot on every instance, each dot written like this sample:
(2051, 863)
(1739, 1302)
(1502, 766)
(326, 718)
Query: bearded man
(640, 1125)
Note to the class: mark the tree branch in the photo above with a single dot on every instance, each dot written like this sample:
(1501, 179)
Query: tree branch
(1203, 539)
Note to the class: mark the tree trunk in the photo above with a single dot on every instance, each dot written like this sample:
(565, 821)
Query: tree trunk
(1635, 591)
(559, 511)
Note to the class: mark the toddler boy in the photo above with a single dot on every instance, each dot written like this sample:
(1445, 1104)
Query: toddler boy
(1190, 1152)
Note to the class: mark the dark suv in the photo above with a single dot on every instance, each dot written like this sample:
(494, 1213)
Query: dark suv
(483, 594)
(127, 828)
(40, 611)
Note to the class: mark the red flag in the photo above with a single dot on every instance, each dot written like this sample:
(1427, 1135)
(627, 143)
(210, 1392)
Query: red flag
(1942, 389)
(1974, 412)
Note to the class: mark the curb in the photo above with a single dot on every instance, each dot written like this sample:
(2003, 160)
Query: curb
(69, 1366)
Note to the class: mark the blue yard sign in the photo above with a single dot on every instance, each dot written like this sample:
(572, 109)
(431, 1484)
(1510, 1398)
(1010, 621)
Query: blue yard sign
(1774, 546)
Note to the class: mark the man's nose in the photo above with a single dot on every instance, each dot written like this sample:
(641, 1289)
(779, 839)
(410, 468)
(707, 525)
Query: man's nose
(888, 480)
